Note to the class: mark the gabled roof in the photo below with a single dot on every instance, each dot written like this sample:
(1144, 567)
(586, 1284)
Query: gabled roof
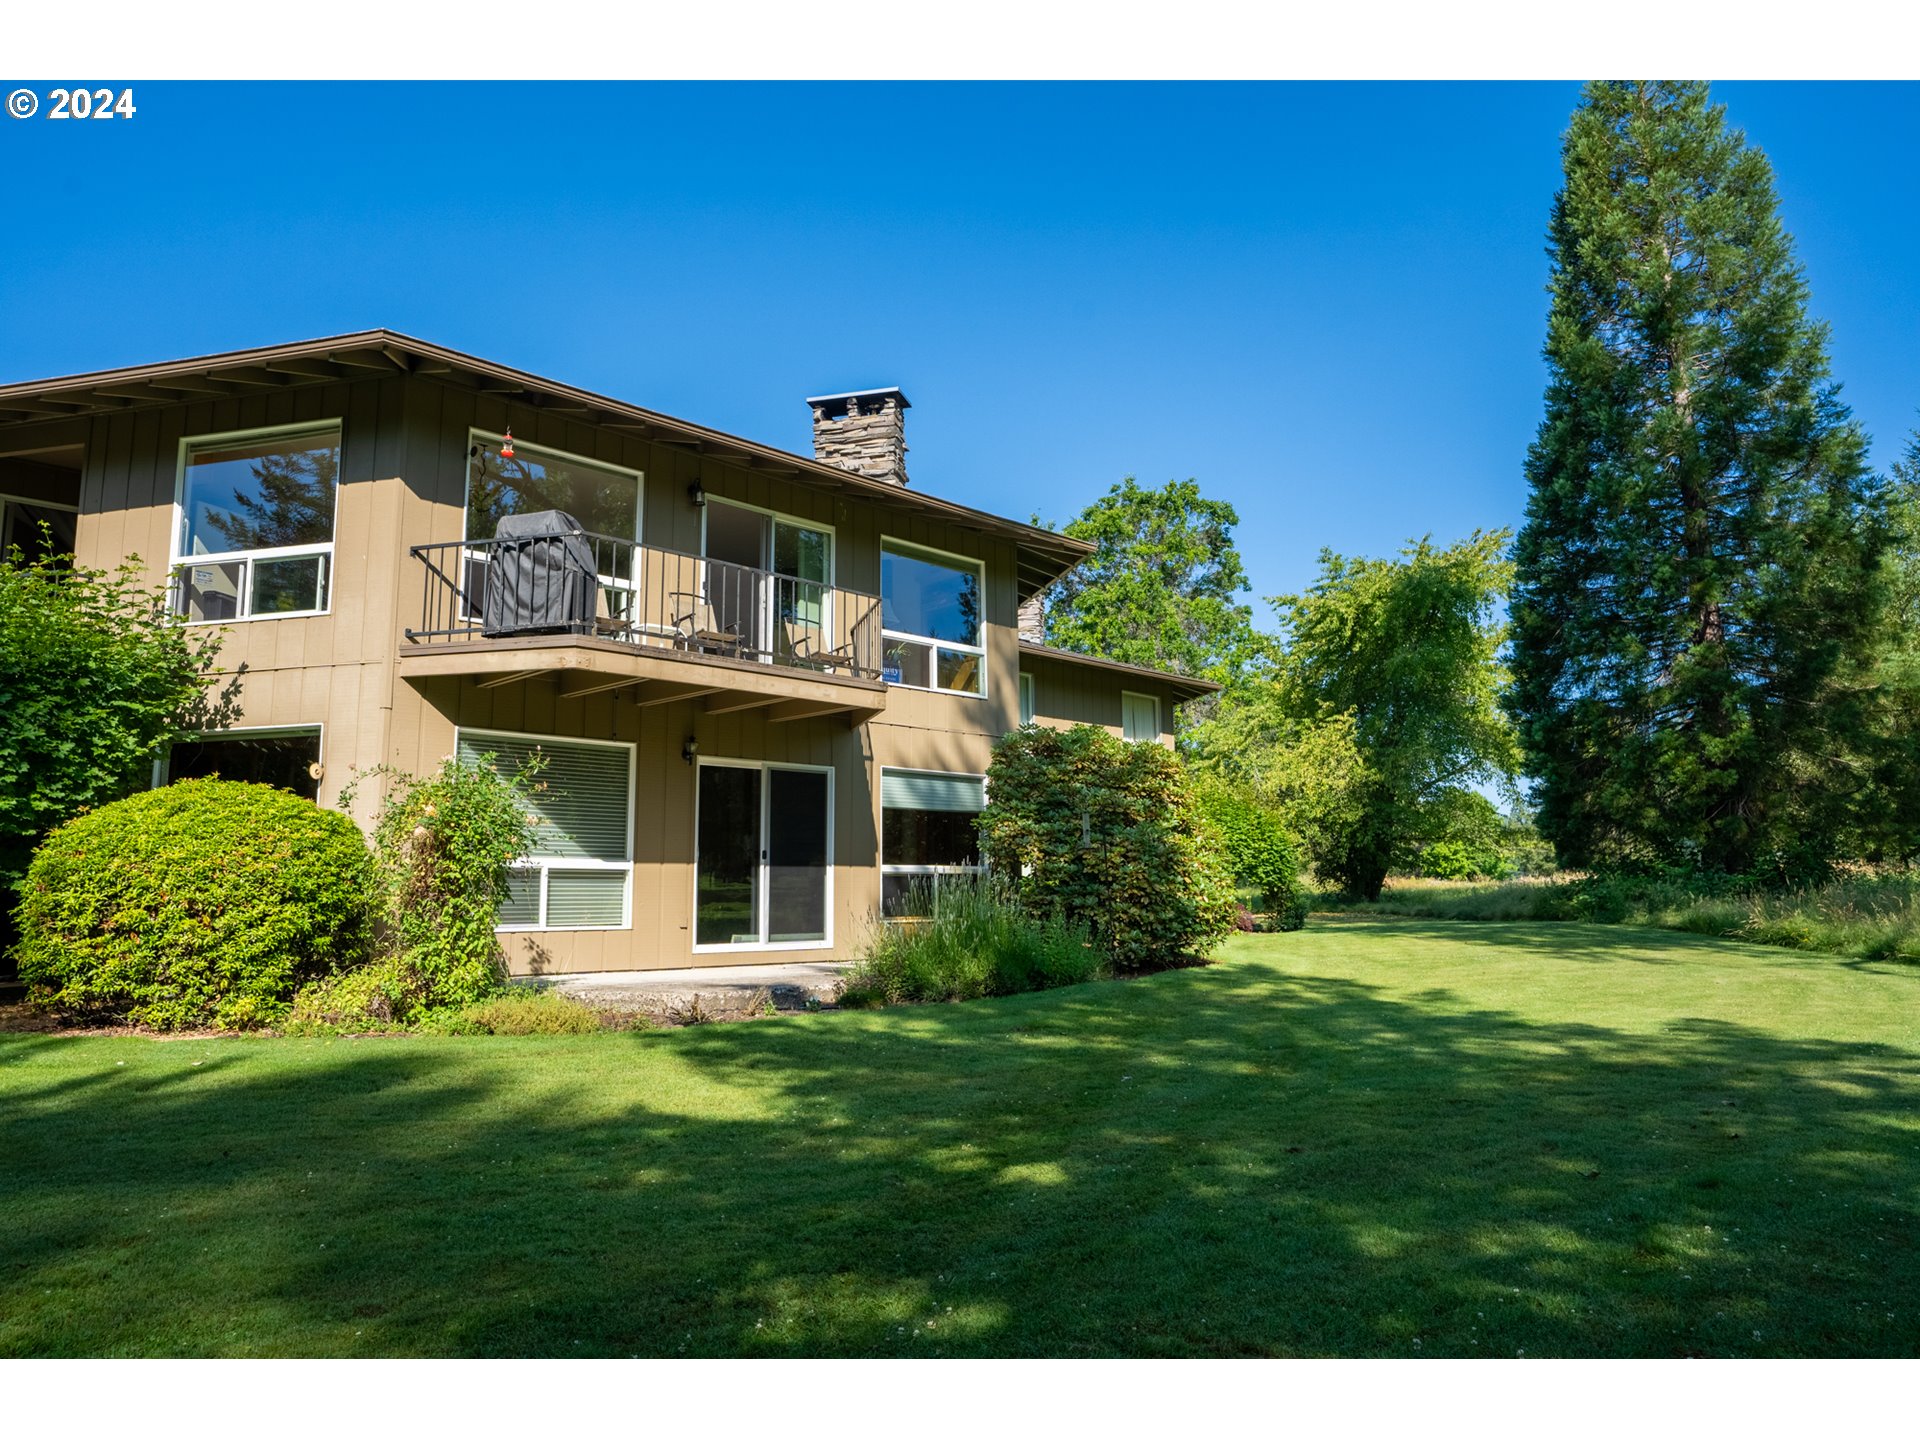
(1043, 554)
(1184, 687)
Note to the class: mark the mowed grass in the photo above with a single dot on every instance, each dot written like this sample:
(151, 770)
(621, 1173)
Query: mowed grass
(1370, 1138)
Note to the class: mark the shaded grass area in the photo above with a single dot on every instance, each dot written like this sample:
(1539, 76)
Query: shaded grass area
(1868, 916)
(1363, 1139)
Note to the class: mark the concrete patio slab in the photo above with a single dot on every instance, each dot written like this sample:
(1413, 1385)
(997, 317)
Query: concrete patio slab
(716, 987)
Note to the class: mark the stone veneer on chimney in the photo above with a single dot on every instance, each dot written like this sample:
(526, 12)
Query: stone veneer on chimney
(864, 431)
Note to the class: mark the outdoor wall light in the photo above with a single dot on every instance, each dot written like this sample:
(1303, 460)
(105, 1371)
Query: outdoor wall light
(690, 751)
(696, 493)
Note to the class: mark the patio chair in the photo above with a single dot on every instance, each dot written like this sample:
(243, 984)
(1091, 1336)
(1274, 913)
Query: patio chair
(805, 649)
(699, 626)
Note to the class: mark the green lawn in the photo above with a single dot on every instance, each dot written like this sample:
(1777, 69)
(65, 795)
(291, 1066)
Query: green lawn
(1389, 1138)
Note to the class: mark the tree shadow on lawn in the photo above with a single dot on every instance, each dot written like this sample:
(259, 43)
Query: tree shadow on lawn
(1604, 943)
(1218, 1162)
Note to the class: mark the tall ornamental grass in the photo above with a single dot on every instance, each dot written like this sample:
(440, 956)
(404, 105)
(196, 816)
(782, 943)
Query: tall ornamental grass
(977, 941)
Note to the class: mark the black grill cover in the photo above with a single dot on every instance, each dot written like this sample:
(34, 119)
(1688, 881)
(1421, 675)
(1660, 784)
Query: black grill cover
(539, 576)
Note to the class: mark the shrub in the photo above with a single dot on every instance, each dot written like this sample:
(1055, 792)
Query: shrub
(1463, 860)
(1107, 834)
(202, 903)
(1291, 916)
(1258, 851)
(518, 1011)
(979, 941)
(384, 995)
(97, 676)
(444, 847)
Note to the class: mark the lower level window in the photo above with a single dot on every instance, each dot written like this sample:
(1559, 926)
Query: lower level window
(927, 837)
(763, 838)
(580, 872)
(287, 759)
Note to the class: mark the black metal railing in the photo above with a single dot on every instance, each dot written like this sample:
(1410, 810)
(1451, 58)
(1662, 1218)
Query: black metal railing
(580, 583)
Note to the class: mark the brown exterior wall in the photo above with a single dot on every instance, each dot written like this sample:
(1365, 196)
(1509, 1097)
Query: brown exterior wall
(1066, 694)
(402, 482)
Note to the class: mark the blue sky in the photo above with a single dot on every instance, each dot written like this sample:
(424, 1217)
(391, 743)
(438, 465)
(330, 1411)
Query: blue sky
(1324, 301)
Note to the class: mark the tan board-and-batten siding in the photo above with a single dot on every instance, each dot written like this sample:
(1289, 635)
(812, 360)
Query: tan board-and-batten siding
(403, 472)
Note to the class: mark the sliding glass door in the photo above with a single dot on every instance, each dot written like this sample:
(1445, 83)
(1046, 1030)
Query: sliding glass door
(776, 601)
(763, 838)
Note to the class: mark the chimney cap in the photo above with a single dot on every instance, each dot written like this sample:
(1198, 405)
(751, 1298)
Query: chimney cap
(837, 402)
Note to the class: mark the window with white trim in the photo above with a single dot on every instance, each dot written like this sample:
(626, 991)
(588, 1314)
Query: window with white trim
(1139, 717)
(1026, 697)
(579, 876)
(930, 620)
(256, 512)
(286, 757)
(927, 836)
(38, 529)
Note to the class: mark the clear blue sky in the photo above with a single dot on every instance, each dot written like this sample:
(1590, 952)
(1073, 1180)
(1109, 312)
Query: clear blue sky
(1324, 301)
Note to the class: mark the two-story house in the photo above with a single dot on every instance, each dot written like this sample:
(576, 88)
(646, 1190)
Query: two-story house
(766, 685)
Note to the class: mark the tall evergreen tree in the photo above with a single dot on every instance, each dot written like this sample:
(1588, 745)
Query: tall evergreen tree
(1694, 612)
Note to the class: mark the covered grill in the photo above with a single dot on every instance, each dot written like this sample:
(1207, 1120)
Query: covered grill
(539, 577)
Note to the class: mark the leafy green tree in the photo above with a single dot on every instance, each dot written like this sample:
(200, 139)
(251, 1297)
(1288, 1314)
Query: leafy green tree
(1890, 814)
(1160, 587)
(1693, 612)
(1407, 649)
(1309, 772)
(97, 678)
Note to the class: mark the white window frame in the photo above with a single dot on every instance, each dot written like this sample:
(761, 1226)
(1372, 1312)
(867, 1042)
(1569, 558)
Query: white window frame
(933, 646)
(163, 766)
(546, 864)
(247, 558)
(1029, 690)
(612, 585)
(930, 872)
(766, 567)
(763, 891)
(1153, 700)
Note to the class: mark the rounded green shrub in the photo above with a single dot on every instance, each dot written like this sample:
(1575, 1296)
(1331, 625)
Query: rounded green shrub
(1256, 846)
(208, 902)
(1107, 835)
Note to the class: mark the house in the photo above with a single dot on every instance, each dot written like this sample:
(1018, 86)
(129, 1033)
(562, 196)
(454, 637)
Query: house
(766, 685)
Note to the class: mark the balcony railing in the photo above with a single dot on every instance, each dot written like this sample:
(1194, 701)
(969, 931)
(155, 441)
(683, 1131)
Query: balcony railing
(595, 585)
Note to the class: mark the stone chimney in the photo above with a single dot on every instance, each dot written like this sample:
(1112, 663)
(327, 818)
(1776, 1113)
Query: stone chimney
(1032, 621)
(865, 432)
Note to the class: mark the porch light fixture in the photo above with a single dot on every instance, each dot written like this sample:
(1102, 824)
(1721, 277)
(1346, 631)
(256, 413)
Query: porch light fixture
(690, 751)
(697, 495)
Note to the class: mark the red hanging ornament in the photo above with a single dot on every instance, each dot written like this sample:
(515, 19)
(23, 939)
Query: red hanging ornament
(506, 447)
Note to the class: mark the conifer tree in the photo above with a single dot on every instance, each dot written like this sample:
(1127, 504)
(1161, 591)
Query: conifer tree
(1694, 607)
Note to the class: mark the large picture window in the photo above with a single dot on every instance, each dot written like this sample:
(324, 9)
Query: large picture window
(579, 874)
(603, 498)
(930, 620)
(927, 836)
(256, 514)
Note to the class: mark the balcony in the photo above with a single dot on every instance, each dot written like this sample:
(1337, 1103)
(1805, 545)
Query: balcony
(600, 614)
